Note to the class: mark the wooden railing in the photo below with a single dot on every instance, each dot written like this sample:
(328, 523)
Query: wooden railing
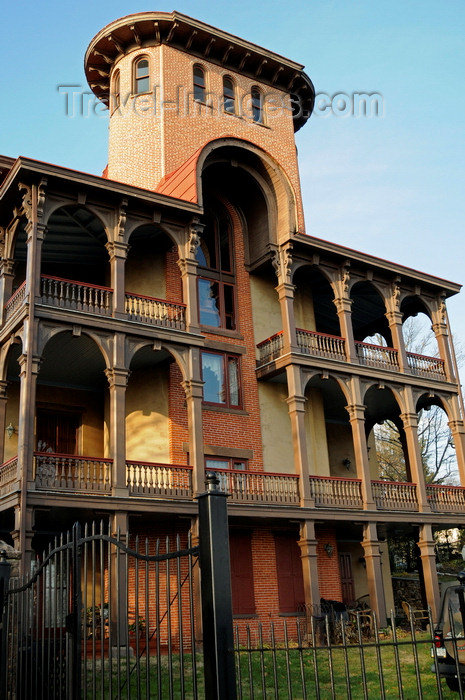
(395, 495)
(424, 366)
(446, 499)
(376, 356)
(69, 294)
(15, 301)
(259, 487)
(153, 479)
(8, 476)
(321, 344)
(72, 473)
(155, 311)
(270, 349)
(333, 491)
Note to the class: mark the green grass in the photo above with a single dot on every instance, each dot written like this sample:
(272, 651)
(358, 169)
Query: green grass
(292, 672)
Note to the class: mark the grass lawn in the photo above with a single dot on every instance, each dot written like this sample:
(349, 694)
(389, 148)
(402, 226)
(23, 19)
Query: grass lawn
(294, 673)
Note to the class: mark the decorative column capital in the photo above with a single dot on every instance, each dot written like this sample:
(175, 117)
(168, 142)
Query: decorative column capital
(456, 427)
(343, 304)
(296, 403)
(193, 388)
(440, 328)
(117, 377)
(394, 317)
(281, 259)
(35, 364)
(410, 420)
(356, 411)
(7, 267)
(117, 249)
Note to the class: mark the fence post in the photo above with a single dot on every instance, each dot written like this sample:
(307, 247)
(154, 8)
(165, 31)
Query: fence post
(215, 586)
(5, 572)
(74, 692)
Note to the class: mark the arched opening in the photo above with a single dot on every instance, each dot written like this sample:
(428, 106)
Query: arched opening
(74, 247)
(385, 436)
(151, 267)
(436, 442)
(368, 314)
(419, 339)
(10, 438)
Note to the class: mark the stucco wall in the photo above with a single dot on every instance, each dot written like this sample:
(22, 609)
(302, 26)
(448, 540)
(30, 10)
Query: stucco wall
(278, 454)
(147, 422)
(317, 447)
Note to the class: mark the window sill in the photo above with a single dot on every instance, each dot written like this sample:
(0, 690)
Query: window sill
(224, 409)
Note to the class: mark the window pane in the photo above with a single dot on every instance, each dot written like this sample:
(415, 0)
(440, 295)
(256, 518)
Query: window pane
(212, 464)
(228, 291)
(142, 68)
(257, 112)
(233, 379)
(199, 84)
(213, 377)
(142, 76)
(206, 252)
(225, 244)
(228, 95)
(209, 310)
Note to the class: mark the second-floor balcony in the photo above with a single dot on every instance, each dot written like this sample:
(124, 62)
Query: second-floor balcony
(72, 295)
(75, 474)
(333, 347)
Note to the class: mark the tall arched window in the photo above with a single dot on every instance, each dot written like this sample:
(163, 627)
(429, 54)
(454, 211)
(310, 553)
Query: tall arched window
(216, 282)
(141, 76)
(200, 89)
(257, 105)
(229, 95)
(115, 95)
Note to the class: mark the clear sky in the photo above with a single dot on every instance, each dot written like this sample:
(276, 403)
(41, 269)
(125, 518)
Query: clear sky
(392, 186)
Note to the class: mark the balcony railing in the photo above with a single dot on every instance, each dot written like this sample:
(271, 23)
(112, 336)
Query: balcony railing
(69, 294)
(270, 349)
(423, 366)
(321, 344)
(377, 356)
(446, 499)
(395, 495)
(153, 479)
(15, 301)
(72, 473)
(259, 487)
(333, 491)
(8, 476)
(155, 311)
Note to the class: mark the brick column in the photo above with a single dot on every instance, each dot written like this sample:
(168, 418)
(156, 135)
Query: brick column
(296, 402)
(410, 422)
(372, 555)
(357, 421)
(308, 545)
(117, 380)
(118, 253)
(428, 562)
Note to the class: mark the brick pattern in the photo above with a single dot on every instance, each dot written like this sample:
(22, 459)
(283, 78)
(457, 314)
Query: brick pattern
(328, 567)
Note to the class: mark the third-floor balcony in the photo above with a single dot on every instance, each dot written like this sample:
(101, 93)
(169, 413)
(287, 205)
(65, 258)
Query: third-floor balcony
(332, 347)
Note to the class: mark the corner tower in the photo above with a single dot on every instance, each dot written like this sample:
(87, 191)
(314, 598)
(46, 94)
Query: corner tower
(175, 85)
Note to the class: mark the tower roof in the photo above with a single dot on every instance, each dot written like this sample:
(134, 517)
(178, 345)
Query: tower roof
(201, 40)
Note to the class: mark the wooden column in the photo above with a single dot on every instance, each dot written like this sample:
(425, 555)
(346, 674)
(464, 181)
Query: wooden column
(194, 397)
(308, 545)
(395, 326)
(410, 422)
(357, 422)
(296, 402)
(372, 555)
(117, 380)
(344, 306)
(6, 282)
(428, 562)
(118, 253)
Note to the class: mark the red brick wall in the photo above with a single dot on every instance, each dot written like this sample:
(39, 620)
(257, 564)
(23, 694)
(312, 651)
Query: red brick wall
(328, 567)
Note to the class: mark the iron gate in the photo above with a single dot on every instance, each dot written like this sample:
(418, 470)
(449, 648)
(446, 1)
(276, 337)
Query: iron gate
(114, 617)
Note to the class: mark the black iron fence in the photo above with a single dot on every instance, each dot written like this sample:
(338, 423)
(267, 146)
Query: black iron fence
(110, 617)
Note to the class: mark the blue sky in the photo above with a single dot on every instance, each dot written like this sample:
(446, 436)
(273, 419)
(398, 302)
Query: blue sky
(391, 186)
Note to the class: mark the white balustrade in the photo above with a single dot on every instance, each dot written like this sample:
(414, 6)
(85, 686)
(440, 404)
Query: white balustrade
(395, 495)
(155, 311)
(15, 301)
(72, 473)
(153, 479)
(69, 294)
(446, 499)
(330, 492)
(259, 487)
(321, 344)
(270, 349)
(377, 356)
(424, 366)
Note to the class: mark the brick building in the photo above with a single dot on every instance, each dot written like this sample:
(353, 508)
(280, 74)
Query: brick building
(174, 316)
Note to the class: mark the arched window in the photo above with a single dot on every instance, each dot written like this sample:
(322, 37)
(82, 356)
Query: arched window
(200, 89)
(216, 281)
(257, 105)
(229, 95)
(141, 76)
(115, 96)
